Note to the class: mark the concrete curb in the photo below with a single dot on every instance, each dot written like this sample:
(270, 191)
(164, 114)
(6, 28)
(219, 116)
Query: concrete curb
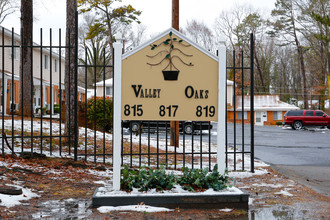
(186, 201)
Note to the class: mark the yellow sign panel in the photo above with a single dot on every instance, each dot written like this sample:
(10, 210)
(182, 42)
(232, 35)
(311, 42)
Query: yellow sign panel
(170, 79)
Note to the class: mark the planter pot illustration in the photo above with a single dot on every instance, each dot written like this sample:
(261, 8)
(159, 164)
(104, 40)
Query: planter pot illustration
(171, 74)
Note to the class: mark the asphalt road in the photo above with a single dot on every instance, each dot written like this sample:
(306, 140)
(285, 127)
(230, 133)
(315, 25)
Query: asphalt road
(300, 154)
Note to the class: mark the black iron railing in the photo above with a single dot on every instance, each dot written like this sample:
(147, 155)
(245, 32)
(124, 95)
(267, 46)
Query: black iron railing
(146, 146)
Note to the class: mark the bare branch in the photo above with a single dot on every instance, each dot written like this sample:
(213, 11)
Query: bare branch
(151, 64)
(188, 64)
(157, 53)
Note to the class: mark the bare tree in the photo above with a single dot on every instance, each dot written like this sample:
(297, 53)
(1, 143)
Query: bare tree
(7, 7)
(315, 23)
(286, 14)
(135, 38)
(228, 22)
(26, 80)
(201, 34)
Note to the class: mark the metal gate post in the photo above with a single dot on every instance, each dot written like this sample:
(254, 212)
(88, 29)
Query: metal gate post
(252, 102)
(76, 133)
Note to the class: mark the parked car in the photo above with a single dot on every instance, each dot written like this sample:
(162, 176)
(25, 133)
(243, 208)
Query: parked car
(301, 118)
(188, 127)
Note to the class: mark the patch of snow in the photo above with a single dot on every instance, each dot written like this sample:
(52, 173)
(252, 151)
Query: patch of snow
(137, 208)
(257, 172)
(176, 191)
(13, 200)
(100, 182)
(251, 200)
(259, 163)
(107, 173)
(225, 210)
(267, 185)
(291, 183)
(284, 192)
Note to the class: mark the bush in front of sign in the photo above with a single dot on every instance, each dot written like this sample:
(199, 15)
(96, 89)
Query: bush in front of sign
(99, 111)
(195, 180)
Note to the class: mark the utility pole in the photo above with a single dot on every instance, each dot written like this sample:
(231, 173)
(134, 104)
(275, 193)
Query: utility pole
(175, 14)
(175, 24)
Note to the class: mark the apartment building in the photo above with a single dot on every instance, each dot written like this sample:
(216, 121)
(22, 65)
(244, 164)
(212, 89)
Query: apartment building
(48, 74)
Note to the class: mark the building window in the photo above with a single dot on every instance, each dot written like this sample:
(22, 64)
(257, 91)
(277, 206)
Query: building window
(46, 64)
(55, 96)
(277, 116)
(13, 51)
(108, 91)
(56, 65)
(239, 115)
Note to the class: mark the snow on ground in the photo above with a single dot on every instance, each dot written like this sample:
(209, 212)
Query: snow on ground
(225, 210)
(13, 200)
(177, 190)
(284, 192)
(36, 127)
(188, 147)
(239, 174)
(137, 208)
(267, 185)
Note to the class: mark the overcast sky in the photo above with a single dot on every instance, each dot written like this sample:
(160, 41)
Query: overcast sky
(156, 14)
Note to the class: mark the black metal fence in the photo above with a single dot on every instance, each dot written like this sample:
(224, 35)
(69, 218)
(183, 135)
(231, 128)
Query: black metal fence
(35, 131)
(143, 143)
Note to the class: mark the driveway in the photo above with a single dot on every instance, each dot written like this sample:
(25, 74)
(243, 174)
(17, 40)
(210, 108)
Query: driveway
(299, 154)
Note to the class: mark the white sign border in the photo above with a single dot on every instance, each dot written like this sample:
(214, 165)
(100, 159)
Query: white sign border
(116, 142)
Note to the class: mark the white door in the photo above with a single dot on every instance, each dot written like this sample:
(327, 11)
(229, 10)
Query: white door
(260, 118)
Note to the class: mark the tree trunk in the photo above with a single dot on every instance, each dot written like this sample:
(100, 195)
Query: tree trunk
(303, 73)
(70, 69)
(259, 72)
(302, 65)
(25, 73)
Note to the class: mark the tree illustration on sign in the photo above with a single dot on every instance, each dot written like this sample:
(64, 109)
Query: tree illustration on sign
(170, 72)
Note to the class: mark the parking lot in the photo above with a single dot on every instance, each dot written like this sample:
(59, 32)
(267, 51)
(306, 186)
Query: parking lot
(300, 154)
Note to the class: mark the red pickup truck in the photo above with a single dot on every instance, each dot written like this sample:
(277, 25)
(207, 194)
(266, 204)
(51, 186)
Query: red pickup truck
(301, 118)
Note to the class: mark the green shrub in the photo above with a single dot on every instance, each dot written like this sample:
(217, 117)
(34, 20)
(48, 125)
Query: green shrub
(198, 179)
(100, 111)
(195, 179)
(279, 123)
(145, 179)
